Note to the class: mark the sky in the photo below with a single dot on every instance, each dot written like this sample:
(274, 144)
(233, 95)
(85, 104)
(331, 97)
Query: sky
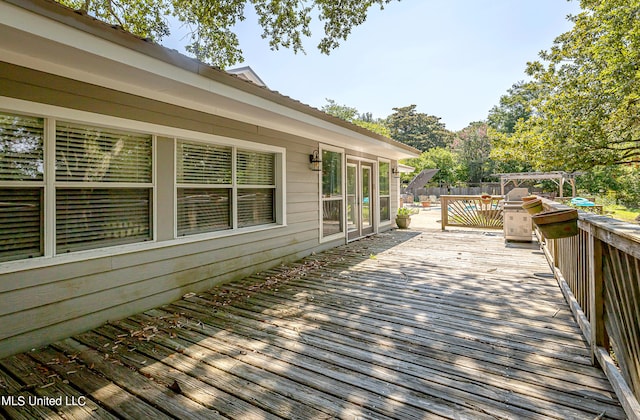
(451, 58)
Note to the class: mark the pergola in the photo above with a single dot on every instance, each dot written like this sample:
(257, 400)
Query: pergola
(558, 177)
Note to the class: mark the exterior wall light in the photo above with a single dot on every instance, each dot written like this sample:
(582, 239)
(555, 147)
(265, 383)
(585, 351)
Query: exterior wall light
(315, 162)
(396, 172)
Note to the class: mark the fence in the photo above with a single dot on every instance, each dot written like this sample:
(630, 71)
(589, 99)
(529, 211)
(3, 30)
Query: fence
(486, 187)
(489, 188)
(599, 273)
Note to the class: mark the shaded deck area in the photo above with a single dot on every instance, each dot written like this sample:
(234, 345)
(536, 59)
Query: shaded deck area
(407, 324)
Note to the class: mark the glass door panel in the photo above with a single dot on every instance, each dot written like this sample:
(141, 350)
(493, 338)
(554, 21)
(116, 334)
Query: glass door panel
(367, 198)
(352, 198)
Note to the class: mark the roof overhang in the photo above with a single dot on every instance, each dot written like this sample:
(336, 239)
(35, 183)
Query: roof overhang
(405, 169)
(45, 36)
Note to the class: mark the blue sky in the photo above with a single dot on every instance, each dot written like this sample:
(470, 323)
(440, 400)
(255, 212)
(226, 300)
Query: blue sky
(451, 58)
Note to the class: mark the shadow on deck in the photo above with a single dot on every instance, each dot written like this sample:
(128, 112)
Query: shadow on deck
(406, 324)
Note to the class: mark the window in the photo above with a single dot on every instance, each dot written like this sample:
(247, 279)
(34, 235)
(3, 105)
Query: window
(217, 185)
(385, 195)
(257, 184)
(67, 186)
(21, 186)
(100, 189)
(103, 187)
(204, 188)
(332, 198)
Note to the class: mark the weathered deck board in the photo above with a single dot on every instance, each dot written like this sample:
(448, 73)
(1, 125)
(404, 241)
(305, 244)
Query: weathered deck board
(406, 324)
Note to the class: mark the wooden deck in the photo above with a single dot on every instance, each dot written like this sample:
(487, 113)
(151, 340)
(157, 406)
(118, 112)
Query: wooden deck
(407, 324)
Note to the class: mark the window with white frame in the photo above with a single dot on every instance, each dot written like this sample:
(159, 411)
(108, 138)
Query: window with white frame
(256, 179)
(222, 187)
(68, 186)
(332, 196)
(21, 186)
(100, 189)
(103, 187)
(204, 187)
(385, 195)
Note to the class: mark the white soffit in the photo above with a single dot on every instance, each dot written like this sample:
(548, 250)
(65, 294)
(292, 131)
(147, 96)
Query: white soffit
(34, 41)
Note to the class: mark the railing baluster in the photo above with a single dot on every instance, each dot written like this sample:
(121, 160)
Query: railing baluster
(470, 211)
(599, 273)
(596, 298)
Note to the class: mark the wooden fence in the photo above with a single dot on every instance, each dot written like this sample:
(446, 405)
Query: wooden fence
(471, 211)
(599, 273)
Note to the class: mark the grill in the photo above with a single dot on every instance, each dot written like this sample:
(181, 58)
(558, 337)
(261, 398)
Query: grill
(517, 221)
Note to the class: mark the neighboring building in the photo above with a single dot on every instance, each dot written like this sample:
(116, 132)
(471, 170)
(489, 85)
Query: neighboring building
(247, 73)
(131, 175)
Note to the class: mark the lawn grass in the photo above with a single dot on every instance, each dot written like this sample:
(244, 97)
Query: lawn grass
(622, 213)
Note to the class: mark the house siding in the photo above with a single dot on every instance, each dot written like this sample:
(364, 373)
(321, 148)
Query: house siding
(43, 304)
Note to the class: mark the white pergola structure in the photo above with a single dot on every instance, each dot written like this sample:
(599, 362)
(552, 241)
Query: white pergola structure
(558, 177)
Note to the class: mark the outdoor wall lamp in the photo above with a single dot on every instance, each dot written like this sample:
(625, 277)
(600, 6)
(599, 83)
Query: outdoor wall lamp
(314, 161)
(396, 172)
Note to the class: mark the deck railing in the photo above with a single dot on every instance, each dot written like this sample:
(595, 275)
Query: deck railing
(599, 273)
(471, 211)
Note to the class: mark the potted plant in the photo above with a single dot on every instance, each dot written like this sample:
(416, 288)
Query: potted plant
(403, 217)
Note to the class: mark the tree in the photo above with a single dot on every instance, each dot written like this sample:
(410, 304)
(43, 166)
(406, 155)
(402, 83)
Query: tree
(473, 148)
(516, 107)
(284, 22)
(588, 112)
(343, 112)
(436, 158)
(416, 129)
(350, 114)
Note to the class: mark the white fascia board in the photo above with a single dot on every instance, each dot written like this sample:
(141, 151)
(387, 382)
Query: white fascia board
(34, 41)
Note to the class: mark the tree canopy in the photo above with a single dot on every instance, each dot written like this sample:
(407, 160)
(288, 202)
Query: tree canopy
(417, 129)
(351, 114)
(473, 147)
(436, 158)
(516, 105)
(587, 110)
(211, 22)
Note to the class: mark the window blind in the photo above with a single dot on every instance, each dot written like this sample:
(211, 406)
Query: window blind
(199, 163)
(255, 168)
(20, 223)
(21, 148)
(91, 154)
(89, 218)
(256, 206)
(203, 210)
(21, 203)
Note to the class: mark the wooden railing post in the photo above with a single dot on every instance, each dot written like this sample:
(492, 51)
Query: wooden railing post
(596, 298)
(444, 211)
